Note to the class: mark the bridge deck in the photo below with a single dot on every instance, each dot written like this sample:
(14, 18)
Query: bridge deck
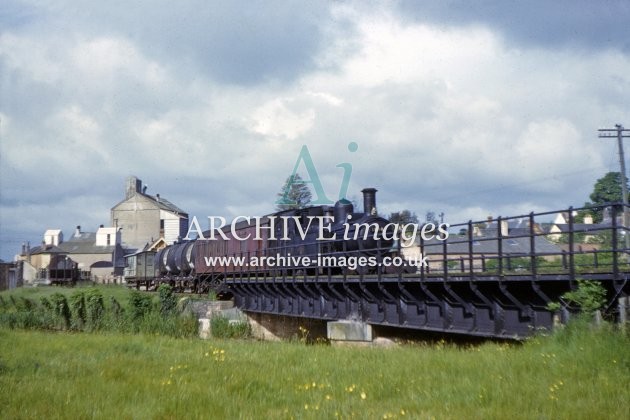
(497, 285)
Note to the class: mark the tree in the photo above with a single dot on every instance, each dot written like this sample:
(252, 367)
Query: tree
(295, 194)
(606, 190)
(430, 217)
(403, 217)
(589, 296)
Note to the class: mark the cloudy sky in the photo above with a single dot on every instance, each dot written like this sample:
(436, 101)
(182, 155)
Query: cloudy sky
(467, 108)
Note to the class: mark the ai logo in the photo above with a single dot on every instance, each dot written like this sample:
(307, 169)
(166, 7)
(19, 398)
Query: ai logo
(313, 178)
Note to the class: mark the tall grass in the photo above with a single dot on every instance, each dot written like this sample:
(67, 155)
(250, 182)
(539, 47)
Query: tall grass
(95, 309)
(119, 292)
(577, 373)
(222, 327)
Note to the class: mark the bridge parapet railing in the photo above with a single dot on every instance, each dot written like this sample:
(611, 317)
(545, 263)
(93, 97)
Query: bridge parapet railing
(573, 241)
(569, 242)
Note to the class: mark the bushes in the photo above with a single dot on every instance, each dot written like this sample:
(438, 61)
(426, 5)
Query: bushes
(77, 305)
(167, 299)
(95, 308)
(588, 297)
(61, 311)
(139, 305)
(85, 310)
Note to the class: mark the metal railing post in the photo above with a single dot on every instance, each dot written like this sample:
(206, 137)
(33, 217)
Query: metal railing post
(532, 245)
(571, 251)
(500, 246)
(470, 249)
(615, 249)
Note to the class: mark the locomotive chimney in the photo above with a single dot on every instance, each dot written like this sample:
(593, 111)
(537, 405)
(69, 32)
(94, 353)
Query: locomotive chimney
(369, 200)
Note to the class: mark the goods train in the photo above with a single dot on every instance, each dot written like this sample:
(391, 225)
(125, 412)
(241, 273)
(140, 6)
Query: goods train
(313, 241)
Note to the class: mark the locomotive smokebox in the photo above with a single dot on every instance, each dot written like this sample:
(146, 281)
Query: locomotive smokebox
(369, 200)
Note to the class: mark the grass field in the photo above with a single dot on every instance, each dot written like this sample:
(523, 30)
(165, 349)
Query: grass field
(575, 374)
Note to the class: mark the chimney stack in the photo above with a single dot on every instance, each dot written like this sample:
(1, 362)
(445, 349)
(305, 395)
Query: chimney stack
(369, 200)
(77, 232)
(134, 185)
(503, 228)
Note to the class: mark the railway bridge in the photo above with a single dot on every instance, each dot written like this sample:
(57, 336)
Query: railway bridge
(490, 278)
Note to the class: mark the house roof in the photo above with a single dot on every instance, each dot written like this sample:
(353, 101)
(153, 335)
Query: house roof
(584, 227)
(46, 249)
(514, 227)
(458, 244)
(85, 243)
(159, 244)
(546, 226)
(162, 203)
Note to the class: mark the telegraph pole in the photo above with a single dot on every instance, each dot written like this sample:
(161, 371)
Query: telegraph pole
(620, 133)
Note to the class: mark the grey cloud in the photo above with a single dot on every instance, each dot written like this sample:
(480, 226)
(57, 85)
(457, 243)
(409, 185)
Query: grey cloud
(582, 24)
(242, 43)
(15, 14)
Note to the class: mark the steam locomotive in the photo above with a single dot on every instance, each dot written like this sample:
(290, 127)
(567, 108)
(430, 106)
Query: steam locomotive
(319, 240)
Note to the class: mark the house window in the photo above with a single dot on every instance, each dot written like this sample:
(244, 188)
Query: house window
(109, 239)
